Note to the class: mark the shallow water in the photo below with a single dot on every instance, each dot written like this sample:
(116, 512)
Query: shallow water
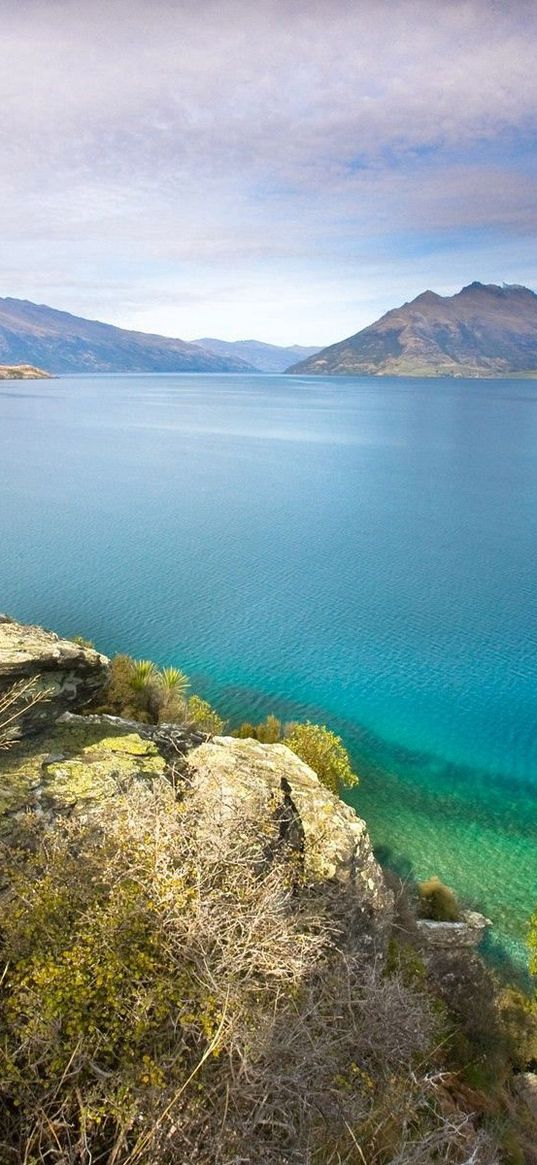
(360, 550)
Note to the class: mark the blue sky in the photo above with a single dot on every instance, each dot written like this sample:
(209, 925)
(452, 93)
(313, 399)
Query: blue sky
(280, 170)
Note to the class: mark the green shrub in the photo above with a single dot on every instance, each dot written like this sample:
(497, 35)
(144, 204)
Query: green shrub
(532, 943)
(139, 690)
(437, 901)
(245, 731)
(518, 1015)
(200, 715)
(269, 731)
(120, 697)
(324, 752)
(81, 641)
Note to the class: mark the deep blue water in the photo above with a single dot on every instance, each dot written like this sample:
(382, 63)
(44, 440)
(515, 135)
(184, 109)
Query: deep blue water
(359, 550)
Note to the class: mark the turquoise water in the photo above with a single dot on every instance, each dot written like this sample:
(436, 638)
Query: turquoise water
(360, 551)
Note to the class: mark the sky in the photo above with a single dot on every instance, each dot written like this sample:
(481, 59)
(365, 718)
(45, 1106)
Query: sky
(277, 169)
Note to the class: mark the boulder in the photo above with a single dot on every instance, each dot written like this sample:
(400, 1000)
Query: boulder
(68, 674)
(269, 784)
(468, 932)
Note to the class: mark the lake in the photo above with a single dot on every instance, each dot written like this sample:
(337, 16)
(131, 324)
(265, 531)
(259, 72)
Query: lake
(358, 551)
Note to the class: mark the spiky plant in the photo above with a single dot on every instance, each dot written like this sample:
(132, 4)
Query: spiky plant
(169, 702)
(144, 673)
(174, 682)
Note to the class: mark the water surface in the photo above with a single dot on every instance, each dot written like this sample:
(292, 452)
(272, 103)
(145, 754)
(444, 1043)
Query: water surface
(359, 550)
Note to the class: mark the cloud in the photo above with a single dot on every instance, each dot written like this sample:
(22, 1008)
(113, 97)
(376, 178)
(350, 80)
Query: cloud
(209, 145)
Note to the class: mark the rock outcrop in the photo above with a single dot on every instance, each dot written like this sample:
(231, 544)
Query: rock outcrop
(69, 674)
(468, 932)
(71, 767)
(23, 372)
(66, 763)
(271, 785)
(80, 761)
(69, 763)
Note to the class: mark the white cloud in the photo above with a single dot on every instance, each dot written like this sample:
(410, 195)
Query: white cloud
(222, 150)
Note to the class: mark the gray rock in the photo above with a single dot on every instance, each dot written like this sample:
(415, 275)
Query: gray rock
(269, 784)
(468, 932)
(69, 673)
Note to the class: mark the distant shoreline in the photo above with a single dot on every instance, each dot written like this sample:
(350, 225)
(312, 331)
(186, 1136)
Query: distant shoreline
(23, 372)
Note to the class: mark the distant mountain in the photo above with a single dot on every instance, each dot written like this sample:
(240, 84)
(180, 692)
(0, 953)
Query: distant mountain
(22, 372)
(32, 333)
(264, 357)
(483, 330)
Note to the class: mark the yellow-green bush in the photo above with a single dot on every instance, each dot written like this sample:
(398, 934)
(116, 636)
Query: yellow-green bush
(269, 731)
(324, 752)
(200, 715)
(437, 901)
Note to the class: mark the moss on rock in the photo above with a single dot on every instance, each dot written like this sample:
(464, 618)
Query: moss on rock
(73, 765)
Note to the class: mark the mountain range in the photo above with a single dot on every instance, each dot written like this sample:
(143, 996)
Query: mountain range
(483, 330)
(35, 334)
(262, 357)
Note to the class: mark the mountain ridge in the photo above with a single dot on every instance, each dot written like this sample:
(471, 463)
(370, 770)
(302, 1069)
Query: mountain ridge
(264, 357)
(481, 330)
(62, 343)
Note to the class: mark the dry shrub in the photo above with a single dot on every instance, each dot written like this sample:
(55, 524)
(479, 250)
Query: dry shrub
(171, 996)
(15, 702)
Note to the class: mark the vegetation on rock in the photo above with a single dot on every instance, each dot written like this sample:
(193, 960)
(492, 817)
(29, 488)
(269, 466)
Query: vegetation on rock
(437, 901)
(201, 960)
(315, 744)
(139, 690)
(15, 702)
(325, 753)
(168, 1001)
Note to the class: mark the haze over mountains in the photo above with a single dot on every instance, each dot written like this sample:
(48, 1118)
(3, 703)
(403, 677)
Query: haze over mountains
(263, 357)
(483, 330)
(32, 333)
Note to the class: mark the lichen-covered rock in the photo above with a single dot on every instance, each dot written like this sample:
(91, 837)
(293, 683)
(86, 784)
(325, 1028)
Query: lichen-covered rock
(468, 932)
(269, 783)
(172, 740)
(71, 673)
(76, 762)
(70, 768)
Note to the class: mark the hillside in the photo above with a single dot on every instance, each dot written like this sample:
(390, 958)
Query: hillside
(264, 357)
(22, 372)
(35, 334)
(483, 330)
(203, 960)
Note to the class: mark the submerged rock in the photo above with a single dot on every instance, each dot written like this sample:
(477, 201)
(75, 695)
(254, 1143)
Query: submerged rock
(70, 673)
